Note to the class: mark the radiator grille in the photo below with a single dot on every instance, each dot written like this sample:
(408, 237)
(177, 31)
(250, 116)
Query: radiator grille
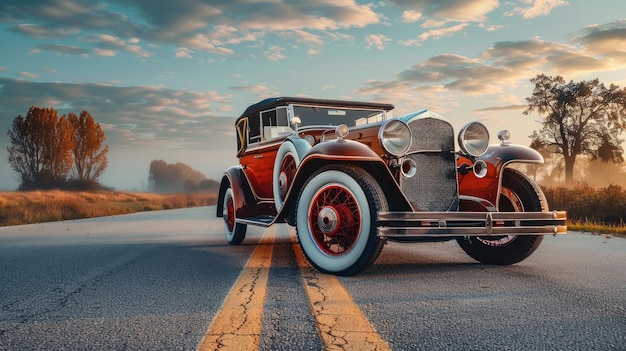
(434, 186)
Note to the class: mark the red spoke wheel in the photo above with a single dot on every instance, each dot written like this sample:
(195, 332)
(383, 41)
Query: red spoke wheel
(286, 175)
(336, 219)
(235, 232)
(518, 194)
(285, 166)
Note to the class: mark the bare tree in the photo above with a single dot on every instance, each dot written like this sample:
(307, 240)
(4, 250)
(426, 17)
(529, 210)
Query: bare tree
(579, 118)
(90, 152)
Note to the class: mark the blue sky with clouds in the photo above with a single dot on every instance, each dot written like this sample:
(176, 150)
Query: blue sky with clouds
(166, 79)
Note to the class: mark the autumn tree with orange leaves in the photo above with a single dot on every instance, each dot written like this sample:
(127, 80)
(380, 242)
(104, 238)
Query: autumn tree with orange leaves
(90, 152)
(45, 148)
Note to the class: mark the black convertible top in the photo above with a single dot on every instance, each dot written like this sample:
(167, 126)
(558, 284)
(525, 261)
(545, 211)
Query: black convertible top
(286, 100)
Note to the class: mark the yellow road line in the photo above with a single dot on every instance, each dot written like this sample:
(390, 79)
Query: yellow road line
(340, 322)
(237, 326)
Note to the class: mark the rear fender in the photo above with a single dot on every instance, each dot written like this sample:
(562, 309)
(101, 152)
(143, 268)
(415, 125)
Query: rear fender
(497, 158)
(245, 202)
(345, 152)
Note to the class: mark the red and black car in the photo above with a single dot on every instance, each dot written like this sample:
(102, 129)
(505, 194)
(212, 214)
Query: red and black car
(349, 176)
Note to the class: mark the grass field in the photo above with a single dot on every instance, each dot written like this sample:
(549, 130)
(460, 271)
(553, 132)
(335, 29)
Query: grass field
(56, 205)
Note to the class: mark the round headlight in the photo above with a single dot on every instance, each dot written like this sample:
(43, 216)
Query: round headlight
(504, 135)
(342, 131)
(474, 138)
(395, 137)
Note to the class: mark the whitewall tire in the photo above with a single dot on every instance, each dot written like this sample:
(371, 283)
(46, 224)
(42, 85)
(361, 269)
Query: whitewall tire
(235, 232)
(336, 219)
(285, 166)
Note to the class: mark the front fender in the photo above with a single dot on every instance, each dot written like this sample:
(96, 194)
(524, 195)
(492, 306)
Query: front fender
(302, 146)
(342, 150)
(501, 155)
(497, 157)
(345, 152)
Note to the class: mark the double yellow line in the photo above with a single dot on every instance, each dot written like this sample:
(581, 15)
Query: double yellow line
(340, 322)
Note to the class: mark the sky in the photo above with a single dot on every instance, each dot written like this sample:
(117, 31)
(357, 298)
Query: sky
(166, 79)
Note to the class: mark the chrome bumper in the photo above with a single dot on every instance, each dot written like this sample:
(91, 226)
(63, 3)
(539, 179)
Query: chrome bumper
(416, 224)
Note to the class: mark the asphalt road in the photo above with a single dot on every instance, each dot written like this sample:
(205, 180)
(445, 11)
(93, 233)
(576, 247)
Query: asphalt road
(159, 281)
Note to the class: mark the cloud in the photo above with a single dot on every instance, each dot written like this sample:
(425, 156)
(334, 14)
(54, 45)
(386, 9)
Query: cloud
(607, 41)
(437, 33)
(527, 56)
(491, 28)
(107, 42)
(537, 8)
(502, 108)
(183, 53)
(203, 43)
(213, 27)
(313, 52)
(40, 32)
(136, 116)
(275, 53)
(104, 52)
(377, 40)
(260, 91)
(435, 16)
(62, 50)
(505, 66)
(28, 75)
(448, 10)
(411, 16)
(64, 18)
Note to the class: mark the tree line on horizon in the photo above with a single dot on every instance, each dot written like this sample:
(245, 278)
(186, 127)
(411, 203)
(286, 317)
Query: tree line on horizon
(51, 151)
(178, 177)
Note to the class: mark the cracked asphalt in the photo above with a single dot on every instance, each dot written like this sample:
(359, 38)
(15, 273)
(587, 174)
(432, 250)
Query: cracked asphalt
(168, 280)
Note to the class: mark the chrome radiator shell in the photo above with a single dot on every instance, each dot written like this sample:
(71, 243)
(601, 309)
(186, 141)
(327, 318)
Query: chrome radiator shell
(434, 187)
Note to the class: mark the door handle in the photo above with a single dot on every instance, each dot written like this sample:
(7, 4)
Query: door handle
(257, 156)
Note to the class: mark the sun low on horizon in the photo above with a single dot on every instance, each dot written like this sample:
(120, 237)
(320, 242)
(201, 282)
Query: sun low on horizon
(166, 80)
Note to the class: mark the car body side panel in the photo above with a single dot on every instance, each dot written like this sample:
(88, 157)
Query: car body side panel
(258, 164)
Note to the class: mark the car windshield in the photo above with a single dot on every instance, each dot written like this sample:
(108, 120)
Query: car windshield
(325, 116)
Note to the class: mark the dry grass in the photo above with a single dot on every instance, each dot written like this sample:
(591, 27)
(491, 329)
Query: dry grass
(596, 228)
(56, 205)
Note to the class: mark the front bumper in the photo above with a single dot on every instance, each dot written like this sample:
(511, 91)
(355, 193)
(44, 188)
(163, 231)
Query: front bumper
(451, 224)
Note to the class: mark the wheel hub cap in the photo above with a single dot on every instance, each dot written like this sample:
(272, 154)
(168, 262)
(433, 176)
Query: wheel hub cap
(328, 221)
(282, 184)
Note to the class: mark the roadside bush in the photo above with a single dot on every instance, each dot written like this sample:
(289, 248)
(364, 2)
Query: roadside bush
(584, 204)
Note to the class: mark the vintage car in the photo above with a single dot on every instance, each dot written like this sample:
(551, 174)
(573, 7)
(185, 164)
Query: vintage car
(349, 176)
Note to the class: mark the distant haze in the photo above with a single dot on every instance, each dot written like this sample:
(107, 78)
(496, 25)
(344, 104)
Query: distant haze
(167, 82)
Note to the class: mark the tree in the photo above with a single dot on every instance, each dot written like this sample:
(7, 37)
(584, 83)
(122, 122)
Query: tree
(90, 155)
(59, 149)
(40, 149)
(177, 177)
(579, 118)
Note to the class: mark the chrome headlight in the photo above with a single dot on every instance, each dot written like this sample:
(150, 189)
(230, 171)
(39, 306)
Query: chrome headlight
(395, 137)
(474, 138)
